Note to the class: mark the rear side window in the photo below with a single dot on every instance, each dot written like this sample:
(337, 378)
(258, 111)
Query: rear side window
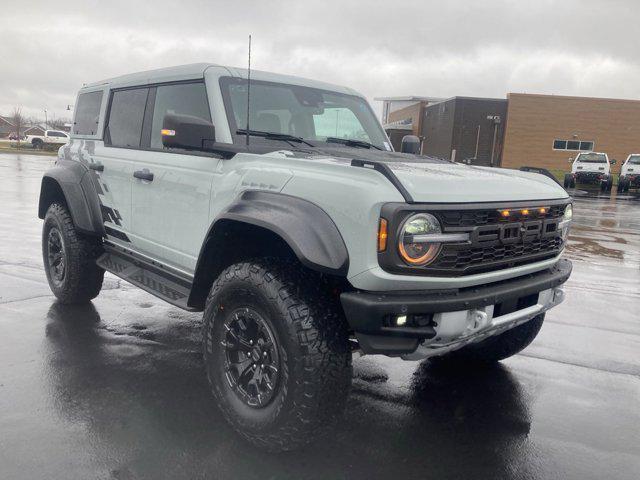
(124, 127)
(182, 98)
(87, 113)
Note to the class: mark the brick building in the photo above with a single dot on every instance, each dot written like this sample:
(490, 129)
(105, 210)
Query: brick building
(523, 129)
(546, 130)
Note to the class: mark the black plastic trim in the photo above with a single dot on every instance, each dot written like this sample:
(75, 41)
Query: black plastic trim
(384, 169)
(365, 311)
(79, 193)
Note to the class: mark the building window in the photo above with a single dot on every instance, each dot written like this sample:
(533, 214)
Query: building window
(574, 145)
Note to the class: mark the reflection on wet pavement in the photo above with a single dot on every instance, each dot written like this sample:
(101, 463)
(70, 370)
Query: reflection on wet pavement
(116, 389)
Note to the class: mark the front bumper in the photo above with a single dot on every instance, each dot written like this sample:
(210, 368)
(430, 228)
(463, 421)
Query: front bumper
(590, 177)
(444, 320)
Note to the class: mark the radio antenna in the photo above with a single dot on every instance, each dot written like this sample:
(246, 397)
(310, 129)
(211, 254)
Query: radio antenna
(248, 91)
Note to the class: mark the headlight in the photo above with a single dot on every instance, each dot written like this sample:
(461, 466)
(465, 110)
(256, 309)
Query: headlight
(414, 245)
(565, 224)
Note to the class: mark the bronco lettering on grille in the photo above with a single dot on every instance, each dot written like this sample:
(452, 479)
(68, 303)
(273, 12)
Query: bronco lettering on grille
(516, 232)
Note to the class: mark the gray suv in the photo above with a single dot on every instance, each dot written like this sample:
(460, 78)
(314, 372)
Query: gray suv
(279, 208)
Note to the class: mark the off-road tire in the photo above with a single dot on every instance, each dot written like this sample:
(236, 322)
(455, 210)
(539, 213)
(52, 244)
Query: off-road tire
(82, 279)
(495, 348)
(311, 336)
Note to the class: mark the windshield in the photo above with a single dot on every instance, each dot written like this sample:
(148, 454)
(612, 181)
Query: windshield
(634, 160)
(308, 113)
(591, 158)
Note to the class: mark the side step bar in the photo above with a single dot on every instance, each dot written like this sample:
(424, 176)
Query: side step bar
(150, 278)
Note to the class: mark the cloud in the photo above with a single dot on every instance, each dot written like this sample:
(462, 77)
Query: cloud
(414, 47)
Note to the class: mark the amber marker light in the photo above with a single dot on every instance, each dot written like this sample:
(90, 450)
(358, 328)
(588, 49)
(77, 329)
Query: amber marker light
(542, 210)
(382, 235)
(524, 212)
(504, 213)
(168, 133)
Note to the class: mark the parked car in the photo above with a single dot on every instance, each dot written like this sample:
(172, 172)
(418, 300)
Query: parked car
(50, 137)
(629, 173)
(299, 233)
(590, 168)
(13, 136)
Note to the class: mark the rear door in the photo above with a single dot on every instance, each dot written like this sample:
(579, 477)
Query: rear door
(115, 161)
(172, 191)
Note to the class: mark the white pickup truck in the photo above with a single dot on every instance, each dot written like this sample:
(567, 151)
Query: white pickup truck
(50, 137)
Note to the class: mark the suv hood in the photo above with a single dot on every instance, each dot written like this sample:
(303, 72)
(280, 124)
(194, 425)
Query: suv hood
(450, 182)
(429, 179)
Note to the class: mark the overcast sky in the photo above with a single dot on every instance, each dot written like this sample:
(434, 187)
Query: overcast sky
(440, 48)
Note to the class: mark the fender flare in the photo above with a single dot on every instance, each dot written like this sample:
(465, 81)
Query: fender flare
(78, 188)
(303, 226)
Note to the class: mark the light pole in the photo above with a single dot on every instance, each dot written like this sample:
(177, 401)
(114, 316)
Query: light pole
(46, 123)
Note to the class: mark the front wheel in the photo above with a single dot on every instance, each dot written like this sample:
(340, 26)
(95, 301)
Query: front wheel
(498, 347)
(276, 351)
(70, 258)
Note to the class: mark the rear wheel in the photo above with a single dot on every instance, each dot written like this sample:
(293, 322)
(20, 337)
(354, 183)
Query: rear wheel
(70, 258)
(498, 347)
(37, 143)
(276, 352)
(621, 184)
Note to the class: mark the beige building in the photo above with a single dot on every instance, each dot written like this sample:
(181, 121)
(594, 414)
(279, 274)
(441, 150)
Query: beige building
(546, 130)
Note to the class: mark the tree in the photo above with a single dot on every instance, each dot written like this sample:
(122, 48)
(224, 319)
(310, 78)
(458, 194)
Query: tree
(18, 122)
(58, 123)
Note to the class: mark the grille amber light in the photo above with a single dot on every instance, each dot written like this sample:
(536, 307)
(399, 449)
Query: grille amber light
(504, 213)
(382, 235)
(524, 212)
(542, 210)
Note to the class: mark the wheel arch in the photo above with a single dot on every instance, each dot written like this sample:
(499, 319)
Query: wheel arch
(269, 224)
(72, 186)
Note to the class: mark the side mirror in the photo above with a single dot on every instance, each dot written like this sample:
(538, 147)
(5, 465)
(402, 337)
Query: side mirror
(613, 161)
(410, 144)
(186, 131)
(570, 159)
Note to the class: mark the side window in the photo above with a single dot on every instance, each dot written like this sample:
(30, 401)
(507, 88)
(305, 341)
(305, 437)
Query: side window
(183, 98)
(124, 128)
(87, 113)
(339, 122)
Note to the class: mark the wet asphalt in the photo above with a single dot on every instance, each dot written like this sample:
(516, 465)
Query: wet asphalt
(116, 389)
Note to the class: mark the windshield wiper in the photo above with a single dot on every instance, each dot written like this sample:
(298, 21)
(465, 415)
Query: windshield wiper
(349, 142)
(274, 136)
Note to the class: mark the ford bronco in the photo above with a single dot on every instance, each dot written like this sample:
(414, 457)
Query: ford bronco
(278, 207)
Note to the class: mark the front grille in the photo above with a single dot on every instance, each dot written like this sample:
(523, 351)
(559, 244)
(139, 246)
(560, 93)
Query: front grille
(469, 258)
(475, 260)
(475, 218)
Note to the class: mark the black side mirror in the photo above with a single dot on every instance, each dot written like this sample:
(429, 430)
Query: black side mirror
(410, 144)
(613, 162)
(570, 159)
(186, 131)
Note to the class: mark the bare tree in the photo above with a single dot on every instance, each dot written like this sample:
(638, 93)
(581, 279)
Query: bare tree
(18, 122)
(58, 123)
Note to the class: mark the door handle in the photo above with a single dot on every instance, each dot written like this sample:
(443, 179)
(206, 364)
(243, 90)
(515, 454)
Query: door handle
(98, 167)
(144, 174)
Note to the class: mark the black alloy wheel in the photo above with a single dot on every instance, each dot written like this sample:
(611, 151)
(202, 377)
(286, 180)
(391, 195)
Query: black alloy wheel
(251, 360)
(56, 255)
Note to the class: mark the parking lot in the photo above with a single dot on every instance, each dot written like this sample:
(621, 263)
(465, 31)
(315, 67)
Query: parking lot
(116, 389)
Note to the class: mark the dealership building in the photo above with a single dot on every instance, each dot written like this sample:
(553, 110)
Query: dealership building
(521, 130)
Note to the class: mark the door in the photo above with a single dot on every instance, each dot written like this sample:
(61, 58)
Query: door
(172, 189)
(114, 162)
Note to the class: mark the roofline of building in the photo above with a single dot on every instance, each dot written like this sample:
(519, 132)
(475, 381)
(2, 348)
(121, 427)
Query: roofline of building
(575, 97)
(408, 98)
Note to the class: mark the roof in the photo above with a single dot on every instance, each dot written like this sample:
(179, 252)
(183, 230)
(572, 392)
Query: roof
(197, 70)
(6, 119)
(408, 99)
